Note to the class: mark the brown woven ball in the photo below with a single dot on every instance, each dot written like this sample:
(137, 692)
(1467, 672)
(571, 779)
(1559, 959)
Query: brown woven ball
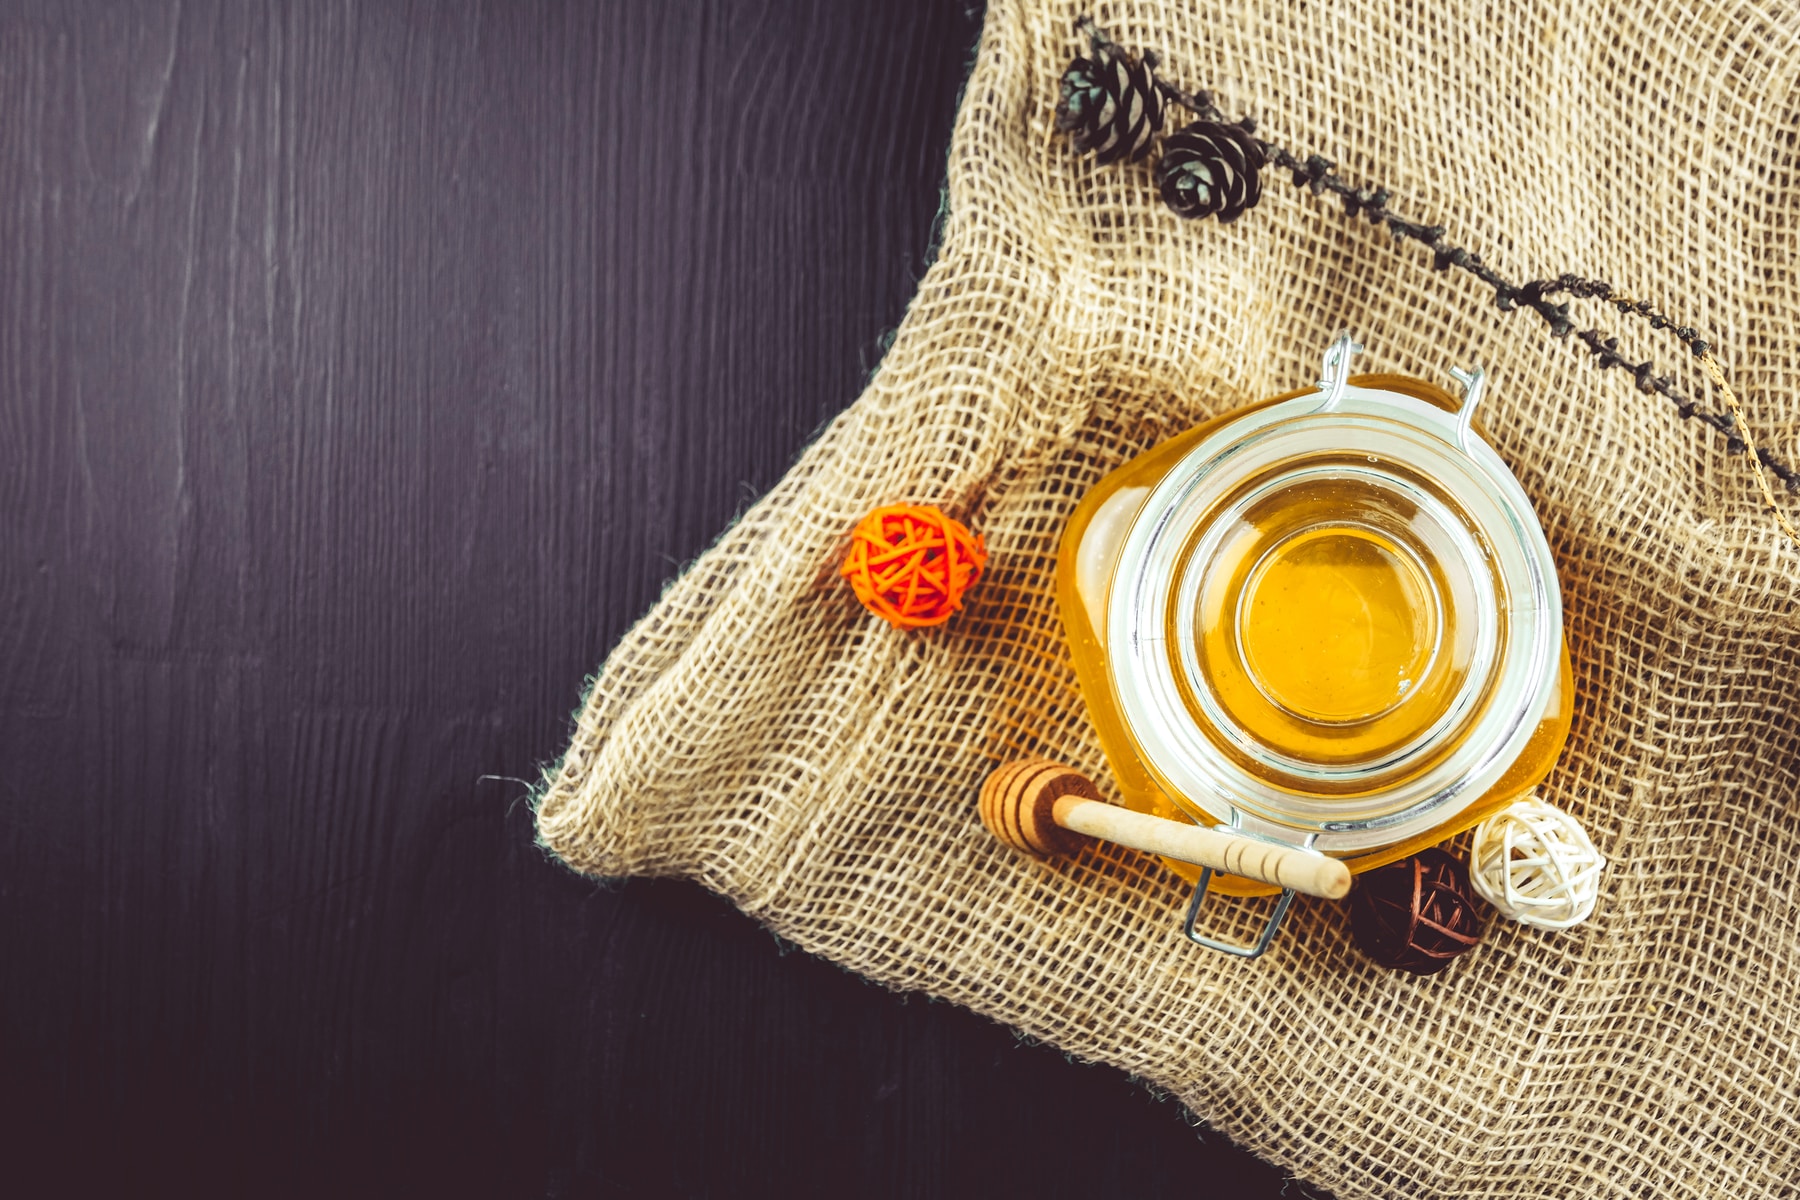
(1416, 915)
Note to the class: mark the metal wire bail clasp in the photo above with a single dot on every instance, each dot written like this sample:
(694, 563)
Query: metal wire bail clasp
(1269, 930)
(1474, 382)
(1255, 949)
(1334, 373)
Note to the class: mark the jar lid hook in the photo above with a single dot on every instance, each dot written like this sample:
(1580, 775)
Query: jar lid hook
(1334, 375)
(1474, 383)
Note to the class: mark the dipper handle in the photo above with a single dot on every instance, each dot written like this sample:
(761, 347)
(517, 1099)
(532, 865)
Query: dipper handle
(1043, 808)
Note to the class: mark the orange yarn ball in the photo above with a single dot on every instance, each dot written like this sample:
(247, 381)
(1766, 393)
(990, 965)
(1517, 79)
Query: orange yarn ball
(910, 564)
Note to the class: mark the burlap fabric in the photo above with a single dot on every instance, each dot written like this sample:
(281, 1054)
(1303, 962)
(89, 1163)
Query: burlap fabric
(762, 734)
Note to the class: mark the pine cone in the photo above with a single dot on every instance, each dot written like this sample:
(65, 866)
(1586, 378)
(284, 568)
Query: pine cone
(1210, 169)
(1111, 104)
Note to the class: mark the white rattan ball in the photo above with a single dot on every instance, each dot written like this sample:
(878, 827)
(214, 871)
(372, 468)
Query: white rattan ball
(1536, 864)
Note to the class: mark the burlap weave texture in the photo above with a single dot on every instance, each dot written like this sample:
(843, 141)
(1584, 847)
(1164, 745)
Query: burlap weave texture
(761, 733)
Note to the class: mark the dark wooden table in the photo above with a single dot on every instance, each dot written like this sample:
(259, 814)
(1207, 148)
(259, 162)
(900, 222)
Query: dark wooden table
(365, 369)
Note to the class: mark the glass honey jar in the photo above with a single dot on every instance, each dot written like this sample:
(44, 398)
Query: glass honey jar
(1329, 620)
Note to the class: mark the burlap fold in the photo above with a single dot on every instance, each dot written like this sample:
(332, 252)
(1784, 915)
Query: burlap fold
(761, 733)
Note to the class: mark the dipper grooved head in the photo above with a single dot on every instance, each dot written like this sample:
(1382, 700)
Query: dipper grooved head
(1018, 804)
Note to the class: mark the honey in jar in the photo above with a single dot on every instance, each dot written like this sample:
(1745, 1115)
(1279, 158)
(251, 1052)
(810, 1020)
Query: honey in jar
(1329, 620)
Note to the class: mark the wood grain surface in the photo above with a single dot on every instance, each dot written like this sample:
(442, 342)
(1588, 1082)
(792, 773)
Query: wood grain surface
(365, 369)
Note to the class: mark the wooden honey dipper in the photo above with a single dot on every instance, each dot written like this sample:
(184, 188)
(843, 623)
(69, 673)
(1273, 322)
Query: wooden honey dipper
(1045, 808)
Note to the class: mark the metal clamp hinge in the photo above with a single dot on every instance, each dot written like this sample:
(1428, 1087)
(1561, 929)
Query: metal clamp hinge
(1270, 929)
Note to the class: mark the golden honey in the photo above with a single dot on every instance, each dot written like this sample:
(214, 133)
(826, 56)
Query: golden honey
(1331, 646)
(1336, 625)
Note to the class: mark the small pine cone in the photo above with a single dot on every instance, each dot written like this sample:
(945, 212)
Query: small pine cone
(1210, 169)
(1111, 104)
